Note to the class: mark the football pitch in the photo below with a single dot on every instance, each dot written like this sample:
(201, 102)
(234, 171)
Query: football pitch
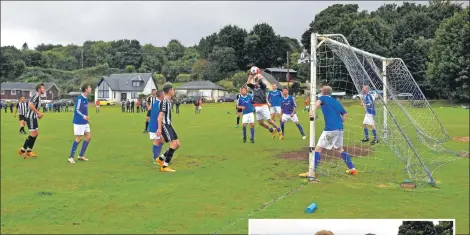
(219, 181)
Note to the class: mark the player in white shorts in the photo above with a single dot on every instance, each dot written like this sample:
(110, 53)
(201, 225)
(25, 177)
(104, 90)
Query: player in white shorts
(152, 128)
(245, 103)
(274, 102)
(81, 125)
(255, 82)
(334, 115)
(288, 112)
(368, 103)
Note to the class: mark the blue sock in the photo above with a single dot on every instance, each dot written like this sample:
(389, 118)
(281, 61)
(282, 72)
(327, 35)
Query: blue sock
(347, 160)
(74, 148)
(252, 130)
(301, 129)
(156, 151)
(317, 159)
(244, 132)
(84, 146)
(271, 130)
(279, 129)
(366, 133)
(282, 127)
(374, 132)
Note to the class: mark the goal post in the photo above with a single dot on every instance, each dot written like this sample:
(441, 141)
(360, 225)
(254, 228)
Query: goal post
(404, 114)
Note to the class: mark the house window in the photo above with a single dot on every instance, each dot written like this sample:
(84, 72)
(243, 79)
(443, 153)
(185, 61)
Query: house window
(114, 95)
(135, 83)
(13, 92)
(3, 92)
(133, 95)
(103, 90)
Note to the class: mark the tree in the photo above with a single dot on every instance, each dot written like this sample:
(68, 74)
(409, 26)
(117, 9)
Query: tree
(261, 47)
(445, 228)
(417, 228)
(224, 61)
(25, 47)
(239, 79)
(206, 45)
(449, 59)
(171, 70)
(336, 18)
(199, 68)
(174, 50)
(153, 58)
(234, 37)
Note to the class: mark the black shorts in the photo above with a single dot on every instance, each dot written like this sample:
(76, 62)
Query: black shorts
(32, 123)
(148, 113)
(238, 110)
(169, 134)
(22, 118)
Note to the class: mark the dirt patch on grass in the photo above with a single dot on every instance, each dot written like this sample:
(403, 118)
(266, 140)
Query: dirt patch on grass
(353, 150)
(461, 138)
(464, 154)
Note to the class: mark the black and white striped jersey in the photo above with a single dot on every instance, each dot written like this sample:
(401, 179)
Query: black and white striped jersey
(150, 102)
(22, 108)
(165, 108)
(36, 101)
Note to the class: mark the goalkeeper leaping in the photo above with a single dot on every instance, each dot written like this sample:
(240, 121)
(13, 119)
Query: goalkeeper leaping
(257, 85)
(368, 103)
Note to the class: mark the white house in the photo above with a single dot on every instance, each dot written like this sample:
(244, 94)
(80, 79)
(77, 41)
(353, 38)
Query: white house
(206, 89)
(121, 87)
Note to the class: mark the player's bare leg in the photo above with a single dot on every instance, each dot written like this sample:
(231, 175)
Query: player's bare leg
(276, 128)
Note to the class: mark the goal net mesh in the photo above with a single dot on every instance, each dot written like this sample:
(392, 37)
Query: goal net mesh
(409, 133)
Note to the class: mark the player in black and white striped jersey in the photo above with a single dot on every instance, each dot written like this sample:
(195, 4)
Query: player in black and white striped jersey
(149, 104)
(165, 128)
(32, 116)
(21, 109)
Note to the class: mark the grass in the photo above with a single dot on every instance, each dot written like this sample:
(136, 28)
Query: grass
(218, 180)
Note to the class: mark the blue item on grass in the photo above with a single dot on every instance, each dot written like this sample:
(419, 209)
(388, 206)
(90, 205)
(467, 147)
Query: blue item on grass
(311, 208)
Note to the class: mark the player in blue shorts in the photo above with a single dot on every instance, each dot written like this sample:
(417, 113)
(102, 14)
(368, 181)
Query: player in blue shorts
(288, 112)
(274, 102)
(245, 103)
(153, 127)
(368, 103)
(334, 115)
(81, 126)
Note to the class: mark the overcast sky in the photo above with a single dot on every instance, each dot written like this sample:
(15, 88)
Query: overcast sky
(150, 22)
(337, 226)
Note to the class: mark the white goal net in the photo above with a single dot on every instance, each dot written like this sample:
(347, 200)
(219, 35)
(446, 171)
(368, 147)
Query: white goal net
(409, 134)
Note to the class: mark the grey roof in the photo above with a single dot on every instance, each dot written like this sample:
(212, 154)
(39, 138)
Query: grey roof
(278, 70)
(200, 85)
(271, 79)
(75, 93)
(123, 82)
(24, 85)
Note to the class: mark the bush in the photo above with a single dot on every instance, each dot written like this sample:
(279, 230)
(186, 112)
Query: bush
(159, 79)
(226, 84)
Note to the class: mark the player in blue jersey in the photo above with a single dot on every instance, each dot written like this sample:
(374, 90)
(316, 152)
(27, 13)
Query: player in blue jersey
(334, 115)
(274, 102)
(368, 103)
(153, 127)
(81, 126)
(288, 112)
(245, 103)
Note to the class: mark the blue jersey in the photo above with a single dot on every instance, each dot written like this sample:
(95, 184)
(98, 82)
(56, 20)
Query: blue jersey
(369, 103)
(332, 113)
(153, 122)
(288, 105)
(81, 110)
(247, 102)
(274, 97)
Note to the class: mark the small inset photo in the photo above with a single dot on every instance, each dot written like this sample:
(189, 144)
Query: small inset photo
(351, 226)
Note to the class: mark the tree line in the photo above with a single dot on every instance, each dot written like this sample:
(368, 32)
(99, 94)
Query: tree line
(431, 39)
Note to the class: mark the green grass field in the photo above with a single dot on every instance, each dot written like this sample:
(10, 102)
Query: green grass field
(219, 182)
